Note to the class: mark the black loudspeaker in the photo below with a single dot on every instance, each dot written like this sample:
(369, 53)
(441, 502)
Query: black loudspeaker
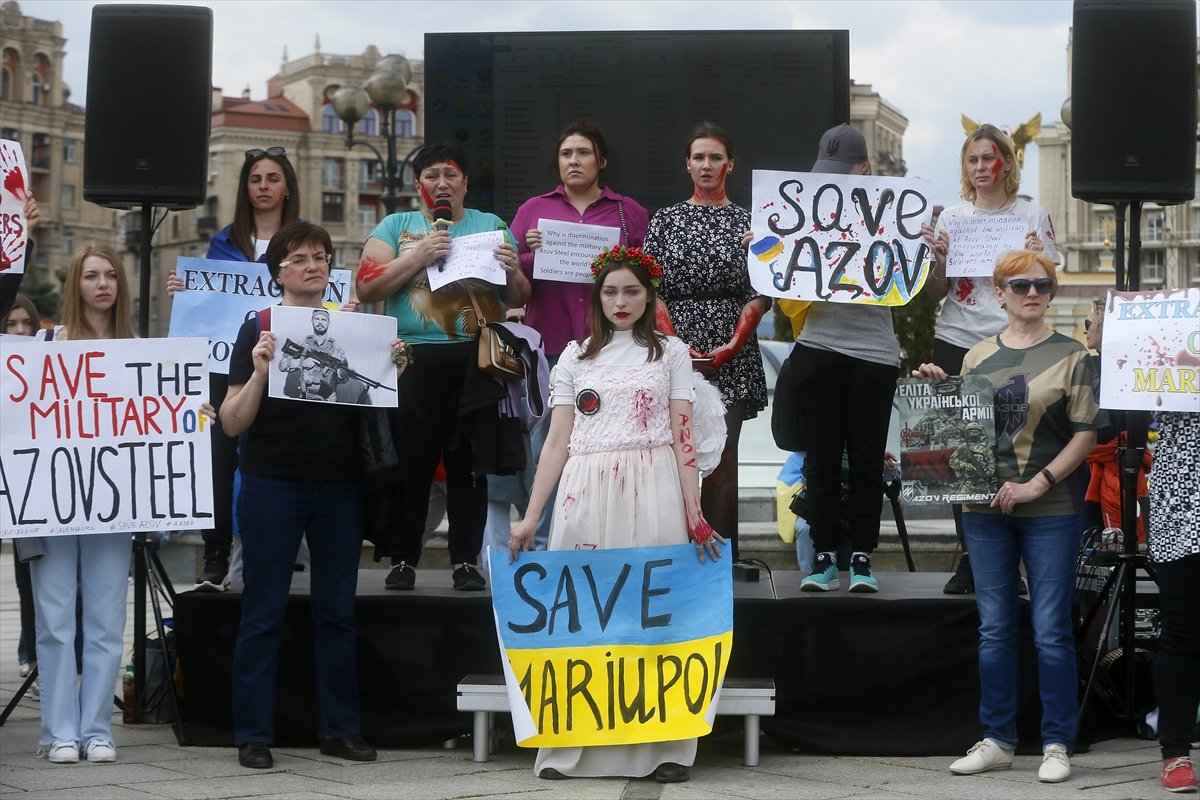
(149, 106)
(1133, 100)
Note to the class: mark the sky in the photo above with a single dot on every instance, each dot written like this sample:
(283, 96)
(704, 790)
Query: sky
(998, 61)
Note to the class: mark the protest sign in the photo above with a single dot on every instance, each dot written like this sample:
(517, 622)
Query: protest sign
(103, 436)
(1150, 351)
(332, 357)
(221, 295)
(471, 256)
(568, 249)
(14, 232)
(839, 238)
(977, 240)
(947, 439)
(612, 646)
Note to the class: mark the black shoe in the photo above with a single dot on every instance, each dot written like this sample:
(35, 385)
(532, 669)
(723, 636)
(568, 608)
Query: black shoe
(351, 748)
(468, 579)
(551, 774)
(962, 581)
(402, 576)
(1022, 589)
(212, 579)
(255, 755)
(670, 772)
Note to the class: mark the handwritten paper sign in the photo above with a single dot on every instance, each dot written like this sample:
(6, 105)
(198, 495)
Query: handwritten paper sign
(221, 295)
(612, 646)
(947, 439)
(471, 256)
(14, 233)
(103, 436)
(1150, 351)
(568, 249)
(332, 357)
(976, 241)
(839, 238)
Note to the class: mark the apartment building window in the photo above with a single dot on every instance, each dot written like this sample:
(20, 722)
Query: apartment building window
(369, 124)
(67, 240)
(68, 195)
(368, 216)
(70, 150)
(1194, 279)
(406, 124)
(41, 151)
(368, 175)
(1153, 270)
(1155, 225)
(214, 163)
(332, 207)
(331, 173)
(330, 123)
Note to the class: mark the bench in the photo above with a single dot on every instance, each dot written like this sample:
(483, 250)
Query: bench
(484, 695)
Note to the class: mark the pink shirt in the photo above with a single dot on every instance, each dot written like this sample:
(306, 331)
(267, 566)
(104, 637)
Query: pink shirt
(558, 310)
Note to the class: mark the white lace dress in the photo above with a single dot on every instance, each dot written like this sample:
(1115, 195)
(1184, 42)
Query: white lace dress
(619, 488)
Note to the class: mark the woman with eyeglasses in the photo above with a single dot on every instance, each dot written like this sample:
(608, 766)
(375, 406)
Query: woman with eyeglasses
(1046, 419)
(268, 198)
(300, 472)
(991, 178)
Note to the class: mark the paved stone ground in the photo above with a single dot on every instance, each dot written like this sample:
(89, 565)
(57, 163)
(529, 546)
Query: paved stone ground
(151, 765)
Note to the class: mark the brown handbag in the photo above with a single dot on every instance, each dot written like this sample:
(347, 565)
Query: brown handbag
(496, 357)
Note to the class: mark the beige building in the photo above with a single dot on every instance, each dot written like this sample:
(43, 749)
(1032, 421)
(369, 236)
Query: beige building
(36, 110)
(1170, 255)
(883, 126)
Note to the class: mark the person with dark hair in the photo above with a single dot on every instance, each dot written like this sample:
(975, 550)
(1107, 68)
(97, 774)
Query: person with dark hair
(846, 355)
(1046, 418)
(991, 178)
(268, 197)
(556, 309)
(300, 473)
(711, 305)
(621, 411)
(442, 327)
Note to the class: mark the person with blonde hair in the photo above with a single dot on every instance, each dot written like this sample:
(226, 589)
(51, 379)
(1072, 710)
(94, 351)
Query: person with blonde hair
(1046, 419)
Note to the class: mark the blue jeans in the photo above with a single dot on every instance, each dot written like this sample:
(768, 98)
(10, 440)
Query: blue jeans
(1049, 547)
(79, 708)
(273, 515)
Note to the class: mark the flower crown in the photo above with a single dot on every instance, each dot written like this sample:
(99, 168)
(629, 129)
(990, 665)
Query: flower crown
(629, 257)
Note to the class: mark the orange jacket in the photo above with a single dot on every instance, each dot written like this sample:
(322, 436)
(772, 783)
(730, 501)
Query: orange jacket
(1105, 485)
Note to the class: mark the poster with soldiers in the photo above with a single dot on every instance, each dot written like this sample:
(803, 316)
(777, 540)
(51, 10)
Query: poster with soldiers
(326, 356)
(947, 440)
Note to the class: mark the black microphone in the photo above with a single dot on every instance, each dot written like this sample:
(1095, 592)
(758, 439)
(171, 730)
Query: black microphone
(442, 213)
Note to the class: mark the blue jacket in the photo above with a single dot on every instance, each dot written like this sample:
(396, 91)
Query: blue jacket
(220, 248)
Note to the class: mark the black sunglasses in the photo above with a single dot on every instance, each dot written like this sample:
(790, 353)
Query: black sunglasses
(1087, 324)
(272, 152)
(1021, 285)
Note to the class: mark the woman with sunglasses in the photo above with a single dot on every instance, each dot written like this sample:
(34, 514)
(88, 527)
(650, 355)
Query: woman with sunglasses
(268, 198)
(990, 178)
(1046, 419)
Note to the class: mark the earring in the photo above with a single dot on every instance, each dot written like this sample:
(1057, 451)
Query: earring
(1004, 305)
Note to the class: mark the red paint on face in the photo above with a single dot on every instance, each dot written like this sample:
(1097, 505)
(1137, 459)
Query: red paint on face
(370, 270)
(426, 197)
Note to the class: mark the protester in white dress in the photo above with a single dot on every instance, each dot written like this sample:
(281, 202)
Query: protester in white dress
(621, 440)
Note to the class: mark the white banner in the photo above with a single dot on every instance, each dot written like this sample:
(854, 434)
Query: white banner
(839, 238)
(103, 436)
(14, 180)
(976, 241)
(1150, 351)
(568, 249)
(471, 256)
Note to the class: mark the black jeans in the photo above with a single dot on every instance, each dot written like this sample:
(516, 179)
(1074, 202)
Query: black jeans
(219, 538)
(427, 427)
(1177, 668)
(846, 408)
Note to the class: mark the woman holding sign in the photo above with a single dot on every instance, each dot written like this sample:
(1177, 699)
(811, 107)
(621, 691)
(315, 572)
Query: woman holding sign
(707, 292)
(621, 442)
(1046, 421)
(77, 709)
(991, 178)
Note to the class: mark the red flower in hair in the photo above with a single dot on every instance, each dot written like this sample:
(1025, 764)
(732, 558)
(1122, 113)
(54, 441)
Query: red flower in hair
(629, 257)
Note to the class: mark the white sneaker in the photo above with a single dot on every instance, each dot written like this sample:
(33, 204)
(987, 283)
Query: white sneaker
(101, 751)
(984, 756)
(63, 753)
(1056, 766)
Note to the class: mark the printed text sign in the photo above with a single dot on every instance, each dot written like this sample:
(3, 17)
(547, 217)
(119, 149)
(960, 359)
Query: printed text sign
(947, 439)
(568, 249)
(1150, 351)
(612, 646)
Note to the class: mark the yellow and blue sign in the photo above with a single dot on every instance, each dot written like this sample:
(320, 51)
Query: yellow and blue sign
(605, 647)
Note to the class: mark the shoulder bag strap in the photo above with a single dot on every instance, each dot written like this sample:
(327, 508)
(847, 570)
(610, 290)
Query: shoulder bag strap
(479, 318)
(624, 228)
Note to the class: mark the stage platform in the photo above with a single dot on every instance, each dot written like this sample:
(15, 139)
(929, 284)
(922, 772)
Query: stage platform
(892, 673)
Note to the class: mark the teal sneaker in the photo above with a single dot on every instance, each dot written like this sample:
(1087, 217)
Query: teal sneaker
(861, 577)
(824, 575)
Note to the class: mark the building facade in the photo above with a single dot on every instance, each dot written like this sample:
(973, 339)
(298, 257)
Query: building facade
(883, 126)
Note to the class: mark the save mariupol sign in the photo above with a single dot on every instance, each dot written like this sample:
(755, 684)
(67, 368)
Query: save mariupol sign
(612, 646)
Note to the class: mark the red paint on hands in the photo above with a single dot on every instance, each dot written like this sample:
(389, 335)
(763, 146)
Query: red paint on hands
(662, 318)
(14, 184)
(370, 270)
(746, 325)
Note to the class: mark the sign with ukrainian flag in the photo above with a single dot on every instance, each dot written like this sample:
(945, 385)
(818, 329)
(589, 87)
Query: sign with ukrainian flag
(839, 238)
(605, 647)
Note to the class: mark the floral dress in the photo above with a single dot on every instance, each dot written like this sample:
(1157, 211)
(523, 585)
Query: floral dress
(705, 285)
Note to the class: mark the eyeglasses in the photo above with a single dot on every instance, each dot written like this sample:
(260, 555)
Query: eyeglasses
(1022, 285)
(1088, 324)
(320, 259)
(273, 152)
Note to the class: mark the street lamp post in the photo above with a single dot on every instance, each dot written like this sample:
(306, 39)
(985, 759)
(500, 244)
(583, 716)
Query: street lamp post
(387, 89)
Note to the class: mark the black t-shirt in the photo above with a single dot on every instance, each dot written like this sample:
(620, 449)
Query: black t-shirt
(290, 439)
